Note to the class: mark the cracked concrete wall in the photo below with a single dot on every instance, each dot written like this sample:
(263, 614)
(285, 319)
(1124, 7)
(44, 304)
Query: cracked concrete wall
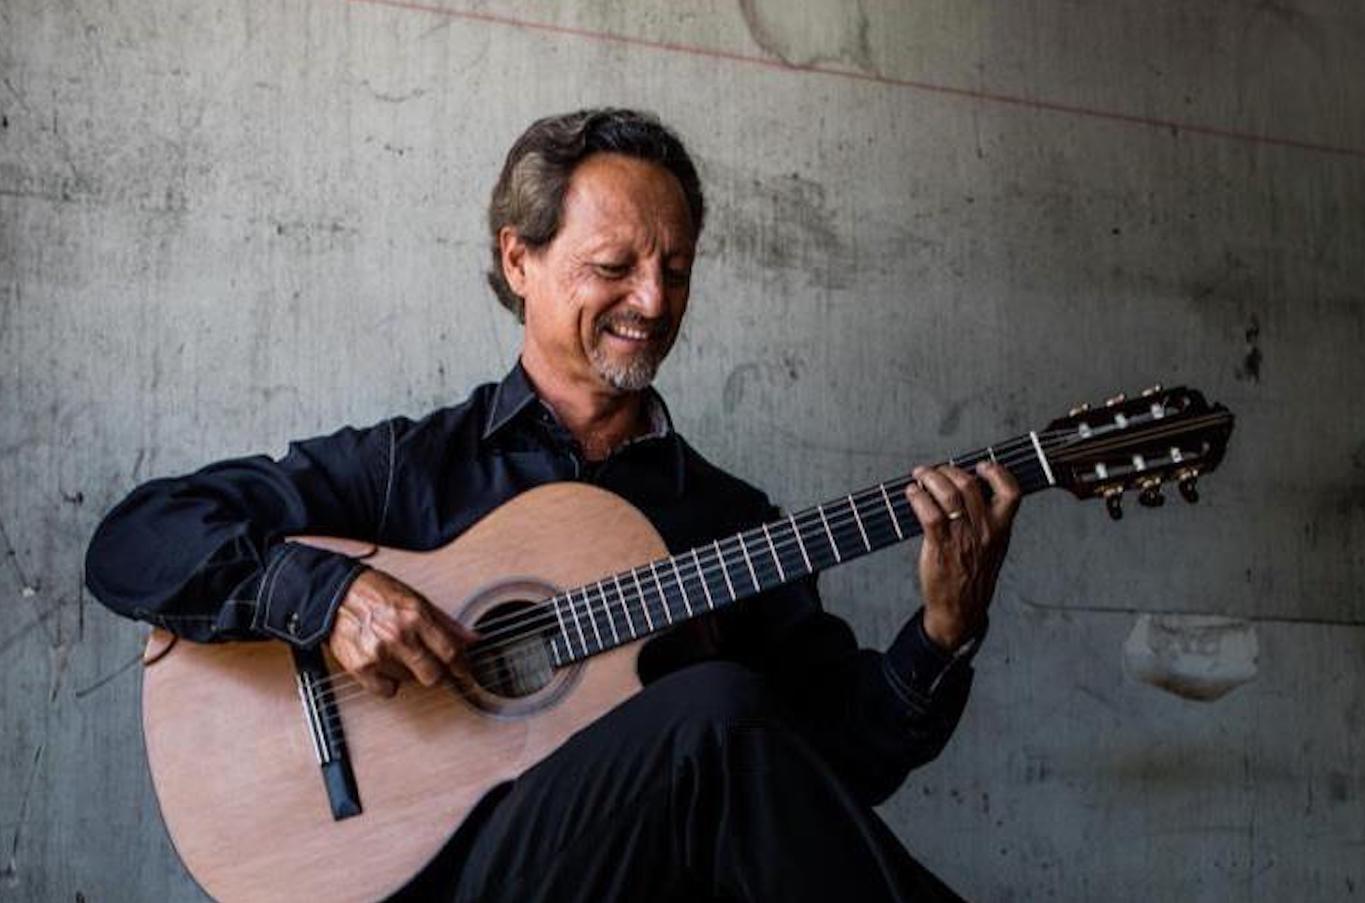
(935, 224)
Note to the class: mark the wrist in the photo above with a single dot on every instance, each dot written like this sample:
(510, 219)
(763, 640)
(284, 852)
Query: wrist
(948, 632)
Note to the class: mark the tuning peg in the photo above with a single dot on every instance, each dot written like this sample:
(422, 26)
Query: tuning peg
(1188, 490)
(1079, 409)
(1148, 393)
(1113, 502)
(1151, 494)
(1117, 399)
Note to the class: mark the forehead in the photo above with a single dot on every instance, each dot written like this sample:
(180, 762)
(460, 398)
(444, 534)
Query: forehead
(615, 197)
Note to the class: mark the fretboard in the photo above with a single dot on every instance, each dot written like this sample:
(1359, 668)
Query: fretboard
(626, 606)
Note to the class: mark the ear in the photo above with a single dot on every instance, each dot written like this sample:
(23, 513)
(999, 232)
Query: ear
(514, 253)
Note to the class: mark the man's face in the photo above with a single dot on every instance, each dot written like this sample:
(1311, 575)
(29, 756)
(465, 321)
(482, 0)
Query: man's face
(605, 298)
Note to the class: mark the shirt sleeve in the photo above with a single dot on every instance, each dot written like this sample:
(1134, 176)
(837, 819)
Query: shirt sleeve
(873, 715)
(206, 555)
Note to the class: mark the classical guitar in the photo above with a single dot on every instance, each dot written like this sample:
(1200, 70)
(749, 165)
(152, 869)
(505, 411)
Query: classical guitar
(280, 779)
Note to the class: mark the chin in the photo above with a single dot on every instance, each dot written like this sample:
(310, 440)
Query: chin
(630, 375)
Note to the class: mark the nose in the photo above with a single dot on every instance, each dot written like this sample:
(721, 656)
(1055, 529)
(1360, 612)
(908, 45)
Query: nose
(648, 296)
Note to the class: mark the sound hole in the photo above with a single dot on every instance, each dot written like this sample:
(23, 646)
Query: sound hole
(510, 668)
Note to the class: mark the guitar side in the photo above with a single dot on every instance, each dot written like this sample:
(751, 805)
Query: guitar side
(235, 768)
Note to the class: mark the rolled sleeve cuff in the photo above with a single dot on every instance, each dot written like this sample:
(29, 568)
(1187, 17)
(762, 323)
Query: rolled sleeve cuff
(300, 591)
(916, 667)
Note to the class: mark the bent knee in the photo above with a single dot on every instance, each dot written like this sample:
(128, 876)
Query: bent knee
(719, 694)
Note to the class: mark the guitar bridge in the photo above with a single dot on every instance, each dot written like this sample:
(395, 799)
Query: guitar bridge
(329, 739)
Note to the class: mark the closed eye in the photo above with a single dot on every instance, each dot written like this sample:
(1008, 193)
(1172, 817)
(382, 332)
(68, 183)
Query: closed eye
(611, 270)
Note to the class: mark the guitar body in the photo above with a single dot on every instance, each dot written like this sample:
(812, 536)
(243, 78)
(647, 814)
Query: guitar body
(235, 766)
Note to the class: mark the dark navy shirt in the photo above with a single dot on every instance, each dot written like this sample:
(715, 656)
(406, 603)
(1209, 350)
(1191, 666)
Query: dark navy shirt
(205, 556)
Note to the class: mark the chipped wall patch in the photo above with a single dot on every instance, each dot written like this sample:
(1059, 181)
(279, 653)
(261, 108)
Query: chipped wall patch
(1201, 657)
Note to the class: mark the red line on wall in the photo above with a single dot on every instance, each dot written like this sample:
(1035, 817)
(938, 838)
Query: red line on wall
(1030, 103)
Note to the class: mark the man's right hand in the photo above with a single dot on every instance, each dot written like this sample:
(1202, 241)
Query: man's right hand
(385, 633)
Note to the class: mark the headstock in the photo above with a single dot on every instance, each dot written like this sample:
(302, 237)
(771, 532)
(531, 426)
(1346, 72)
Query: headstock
(1161, 436)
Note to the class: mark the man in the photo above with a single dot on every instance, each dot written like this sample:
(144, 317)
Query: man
(747, 766)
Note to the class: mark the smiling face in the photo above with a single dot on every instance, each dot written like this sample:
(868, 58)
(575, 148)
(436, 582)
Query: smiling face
(605, 298)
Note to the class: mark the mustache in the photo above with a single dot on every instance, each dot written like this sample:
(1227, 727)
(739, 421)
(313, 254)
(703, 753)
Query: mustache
(654, 328)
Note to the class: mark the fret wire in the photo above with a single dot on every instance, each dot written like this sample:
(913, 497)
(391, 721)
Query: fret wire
(573, 610)
(592, 619)
(781, 575)
(838, 559)
(606, 606)
(891, 511)
(554, 652)
(796, 531)
(752, 576)
(554, 603)
(682, 586)
(630, 622)
(854, 505)
(725, 571)
(696, 563)
(663, 597)
(649, 619)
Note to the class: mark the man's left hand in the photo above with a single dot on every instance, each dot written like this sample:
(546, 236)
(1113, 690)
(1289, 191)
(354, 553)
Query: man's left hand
(965, 538)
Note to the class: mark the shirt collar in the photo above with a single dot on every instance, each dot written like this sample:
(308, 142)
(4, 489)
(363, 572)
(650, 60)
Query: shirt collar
(515, 393)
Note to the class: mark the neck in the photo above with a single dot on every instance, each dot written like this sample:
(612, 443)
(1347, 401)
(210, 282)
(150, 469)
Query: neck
(599, 418)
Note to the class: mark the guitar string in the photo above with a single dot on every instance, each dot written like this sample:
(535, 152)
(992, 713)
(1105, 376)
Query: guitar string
(870, 496)
(883, 538)
(1009, 453)
(542, 616)
(595, 611)
(514, 623)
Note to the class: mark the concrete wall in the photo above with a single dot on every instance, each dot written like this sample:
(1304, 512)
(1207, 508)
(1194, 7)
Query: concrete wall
(935, 225)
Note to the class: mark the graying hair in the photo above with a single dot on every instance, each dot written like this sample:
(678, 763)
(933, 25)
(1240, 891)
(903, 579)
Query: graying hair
(529, 195)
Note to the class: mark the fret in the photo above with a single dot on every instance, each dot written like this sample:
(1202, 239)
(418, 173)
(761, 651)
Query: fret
(630, 622)
(644, 603)
(781, 574)
(578, 625)
(592, 619)
(611, 620)
(748, 561)
(701, 575)
(663, 598)
(687, 603)
(1042, 459)
(990, 450)
(838, 559)
(563, 631)
(895, 521)
(555, 655)
(853, 506)
(800, 544)
(725, 571)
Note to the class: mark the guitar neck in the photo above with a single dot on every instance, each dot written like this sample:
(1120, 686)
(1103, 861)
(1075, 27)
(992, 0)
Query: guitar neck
(644, 600)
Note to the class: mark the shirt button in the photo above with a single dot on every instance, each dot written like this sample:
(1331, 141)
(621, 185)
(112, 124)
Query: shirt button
(292, 625)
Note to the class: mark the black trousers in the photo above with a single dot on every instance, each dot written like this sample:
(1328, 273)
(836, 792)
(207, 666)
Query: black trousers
(694, 789)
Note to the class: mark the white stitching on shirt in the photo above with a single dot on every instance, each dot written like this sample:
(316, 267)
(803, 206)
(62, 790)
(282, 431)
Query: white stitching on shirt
(388, 484)
(270, 592)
